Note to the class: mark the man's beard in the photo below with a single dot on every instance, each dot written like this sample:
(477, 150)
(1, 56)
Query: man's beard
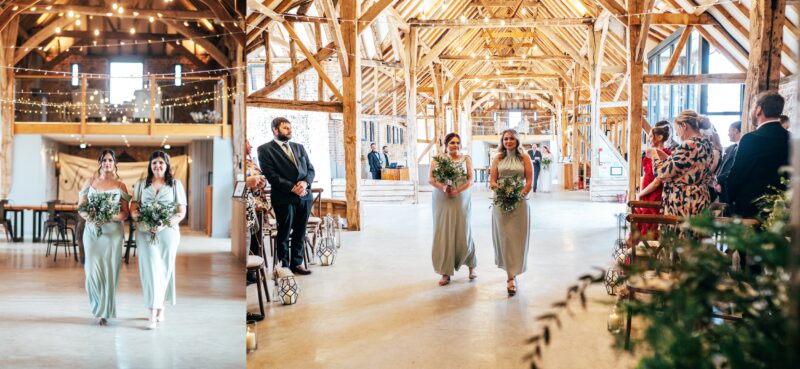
(283, 137)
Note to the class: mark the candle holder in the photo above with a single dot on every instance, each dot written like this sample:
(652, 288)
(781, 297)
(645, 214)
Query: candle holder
(615, 319)
(251, 337)
(327, 251)
(288, 290)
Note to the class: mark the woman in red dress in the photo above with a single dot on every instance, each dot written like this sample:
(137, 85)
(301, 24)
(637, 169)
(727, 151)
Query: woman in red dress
(652, 187)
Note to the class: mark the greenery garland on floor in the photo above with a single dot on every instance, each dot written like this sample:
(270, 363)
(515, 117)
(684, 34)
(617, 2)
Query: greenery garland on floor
(683, 326)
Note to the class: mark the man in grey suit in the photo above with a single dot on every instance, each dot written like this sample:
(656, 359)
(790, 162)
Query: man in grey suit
(374, 162)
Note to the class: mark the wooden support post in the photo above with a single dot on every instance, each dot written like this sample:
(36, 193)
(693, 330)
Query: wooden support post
(318, 43)
(634, 131)
(410, 79)
(767, 18)
(576, 129)
(456, 101)
(351, 86)
(293, 59)
(562, 86)
(267, 60)
(84, 86)
(9, 30)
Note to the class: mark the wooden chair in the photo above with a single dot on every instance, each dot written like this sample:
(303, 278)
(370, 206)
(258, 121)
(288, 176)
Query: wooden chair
(9, 230)
(650, 250)
(258, 264)
(57, 231)
(313, 225)
(130, 243)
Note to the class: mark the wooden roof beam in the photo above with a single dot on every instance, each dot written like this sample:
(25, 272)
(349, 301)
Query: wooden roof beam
(40, 36)
(500, 23)
(206, 43)
(162, 14)
(336, 33)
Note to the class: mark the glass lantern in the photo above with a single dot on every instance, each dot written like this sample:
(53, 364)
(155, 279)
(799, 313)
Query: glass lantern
(615, 319)
(288, 290)
(250, 338)
(327, 251)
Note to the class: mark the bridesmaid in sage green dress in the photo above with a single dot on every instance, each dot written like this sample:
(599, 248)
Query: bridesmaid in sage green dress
(452, 208)
(157, 262)
(510, 230)
(103, 251)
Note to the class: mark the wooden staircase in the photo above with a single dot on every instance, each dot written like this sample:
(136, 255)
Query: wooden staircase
(376, 191)
(604, 187)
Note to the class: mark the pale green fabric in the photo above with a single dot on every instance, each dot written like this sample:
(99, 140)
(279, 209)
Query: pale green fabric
(510, 230)
(452, 232)
(103, 257)
(157, 262)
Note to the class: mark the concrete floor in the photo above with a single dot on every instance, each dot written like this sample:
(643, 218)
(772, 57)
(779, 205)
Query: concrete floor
(380, 306)
(46, 321)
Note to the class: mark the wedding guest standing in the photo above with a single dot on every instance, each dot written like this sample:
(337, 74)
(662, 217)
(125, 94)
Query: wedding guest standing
(724, 169)
(689, 170)
(157, 260)
(546, 174)
(452, 209)
(757, 167)
(761, 154)
(290, 175)
(103, 249)
(536, 157)
(385, 157)
(374, 161)
(255, 182)
(652, 186)
(510, 229)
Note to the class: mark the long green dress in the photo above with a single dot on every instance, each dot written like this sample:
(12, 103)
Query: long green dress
(103, 257)
(452, 232)
(157, 261)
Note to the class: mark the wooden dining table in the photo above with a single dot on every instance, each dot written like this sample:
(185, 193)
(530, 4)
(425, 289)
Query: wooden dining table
(18, 218)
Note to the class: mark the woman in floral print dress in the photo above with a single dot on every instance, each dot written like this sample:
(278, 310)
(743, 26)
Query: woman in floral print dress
(689, 170)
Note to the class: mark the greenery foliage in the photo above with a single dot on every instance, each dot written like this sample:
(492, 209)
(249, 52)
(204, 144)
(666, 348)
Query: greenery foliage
(508, 193)
(101, 208)
(155, 214)
(447, 171)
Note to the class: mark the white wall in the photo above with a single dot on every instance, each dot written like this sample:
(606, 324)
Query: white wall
(223, 188)
(33, 179)
(309, 129)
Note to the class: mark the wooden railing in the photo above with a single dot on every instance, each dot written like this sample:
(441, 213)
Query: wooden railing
(85, 111)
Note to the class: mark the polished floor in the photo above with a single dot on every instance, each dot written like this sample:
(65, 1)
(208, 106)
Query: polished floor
(380, 306)
(45, 320)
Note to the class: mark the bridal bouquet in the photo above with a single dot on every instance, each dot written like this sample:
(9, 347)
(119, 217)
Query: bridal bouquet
(508, 193)
(101, 207)
(546, 160)
(155, 214)
(447, 170)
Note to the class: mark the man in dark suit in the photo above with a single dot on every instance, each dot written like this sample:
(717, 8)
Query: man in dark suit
(374, 162)
(289, 172)
(759, 157)
(536, 158)
(724, 169)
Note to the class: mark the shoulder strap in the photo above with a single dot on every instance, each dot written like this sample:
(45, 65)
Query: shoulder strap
(141, 184)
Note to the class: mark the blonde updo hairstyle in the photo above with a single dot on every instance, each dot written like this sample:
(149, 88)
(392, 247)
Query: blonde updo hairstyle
(690, 119)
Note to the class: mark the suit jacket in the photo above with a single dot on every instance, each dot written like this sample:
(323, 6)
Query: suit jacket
(374, 161)
(724, 170)
(386, 156)
(282, 174)
(758, 158)
(536, 157)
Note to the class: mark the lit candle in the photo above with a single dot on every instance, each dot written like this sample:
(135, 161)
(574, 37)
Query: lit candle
(251, 341)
